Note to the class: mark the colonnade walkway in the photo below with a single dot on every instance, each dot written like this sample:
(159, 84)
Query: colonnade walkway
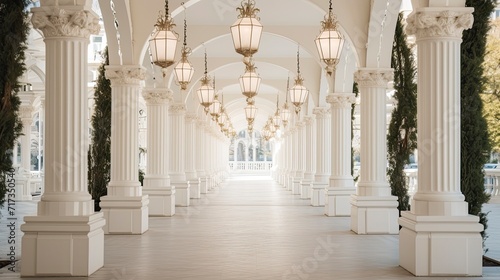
(252, 228)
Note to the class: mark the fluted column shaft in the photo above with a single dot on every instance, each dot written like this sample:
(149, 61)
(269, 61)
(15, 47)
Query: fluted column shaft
(200, 148)
(323, 144)
(300, 149)
(372, 86)
(125, 84)
(340, 107)
(190, 141)
(310, 148)
(177, 142)
(26, 112)
(157, 102)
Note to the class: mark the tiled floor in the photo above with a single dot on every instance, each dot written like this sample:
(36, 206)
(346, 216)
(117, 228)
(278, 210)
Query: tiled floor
(252, 228)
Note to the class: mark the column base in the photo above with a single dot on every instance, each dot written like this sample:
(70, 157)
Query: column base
(318, 194)
(194, 189)
(161, 201)
(182, 194)
(62, 245)
(374, 214)
(296, 185)
(338, 201)
(305, 189)
(23, 187)
(440, 245)
(204, 185)
(125, 214)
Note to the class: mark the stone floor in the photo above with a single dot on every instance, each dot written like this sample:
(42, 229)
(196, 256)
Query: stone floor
(252, 228)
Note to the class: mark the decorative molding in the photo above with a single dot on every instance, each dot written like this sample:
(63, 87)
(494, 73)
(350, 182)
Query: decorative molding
(177, 108)
(125, 74)
(376, 77)
(321, 112)
(157, 96)
(57, 22)
(341, 100)
(308, 120)
(431, 23)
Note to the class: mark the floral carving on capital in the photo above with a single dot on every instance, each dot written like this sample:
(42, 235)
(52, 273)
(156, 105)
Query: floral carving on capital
(321, 112)
(57, 22)
(177, 108)
(376, 77)
(440, 23)
(125, 75)
(308, 120)
(157, 96)
(341, 100)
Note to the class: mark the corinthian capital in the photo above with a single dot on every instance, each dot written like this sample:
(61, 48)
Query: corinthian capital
(177, 108)
(321, 112)
(376, 77)
(125, 74)
(57, 22)
(439, 23)
(157, 96)
(341, 100)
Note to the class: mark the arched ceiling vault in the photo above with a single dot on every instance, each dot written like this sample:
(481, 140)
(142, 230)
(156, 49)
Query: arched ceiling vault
(368, 26)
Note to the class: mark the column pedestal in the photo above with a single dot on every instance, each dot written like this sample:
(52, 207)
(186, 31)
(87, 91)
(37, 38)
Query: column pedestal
(194, 189)
(183, 194)
(62, 246)
(318, 194)
(438, 237)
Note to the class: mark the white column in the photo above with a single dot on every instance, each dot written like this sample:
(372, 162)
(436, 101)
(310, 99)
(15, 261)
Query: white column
(341, 185)
(125, 207)
(157, 181)
(23, 176)
(294, 156)
(300, 151)
(309, 157)
(66, 236)
(177, 114)
(201, 138)
(374, 210)
(323, 160)
(190, 140)
(438, 236)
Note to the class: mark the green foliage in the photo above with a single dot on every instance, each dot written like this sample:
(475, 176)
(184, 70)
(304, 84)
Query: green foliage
(402, 135)
(13, 35)
(100, 150)
(474, 138)
(491, 92)
(355, 90)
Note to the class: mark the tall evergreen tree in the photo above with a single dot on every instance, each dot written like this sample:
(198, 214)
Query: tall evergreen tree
(355, 90)
(100, 149)
(474, 133)
(402, 136)
(14, 30)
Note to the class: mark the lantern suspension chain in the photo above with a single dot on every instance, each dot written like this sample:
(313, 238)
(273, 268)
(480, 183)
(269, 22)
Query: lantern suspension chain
(298, 61)
(166, 10)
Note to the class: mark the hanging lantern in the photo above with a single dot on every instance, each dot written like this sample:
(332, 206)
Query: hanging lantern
(215, 108)
(184, 70)
(250, 81)
(298, 93)
(250, 112)
(206, 92)
(329, 42)
(285, 114)
(163, 41)
(247, 30)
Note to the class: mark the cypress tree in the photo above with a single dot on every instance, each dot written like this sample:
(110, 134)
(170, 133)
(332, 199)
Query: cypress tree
(474, 133)
(355, 90)
(13, 35)
(402, 136)
(100, 149)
